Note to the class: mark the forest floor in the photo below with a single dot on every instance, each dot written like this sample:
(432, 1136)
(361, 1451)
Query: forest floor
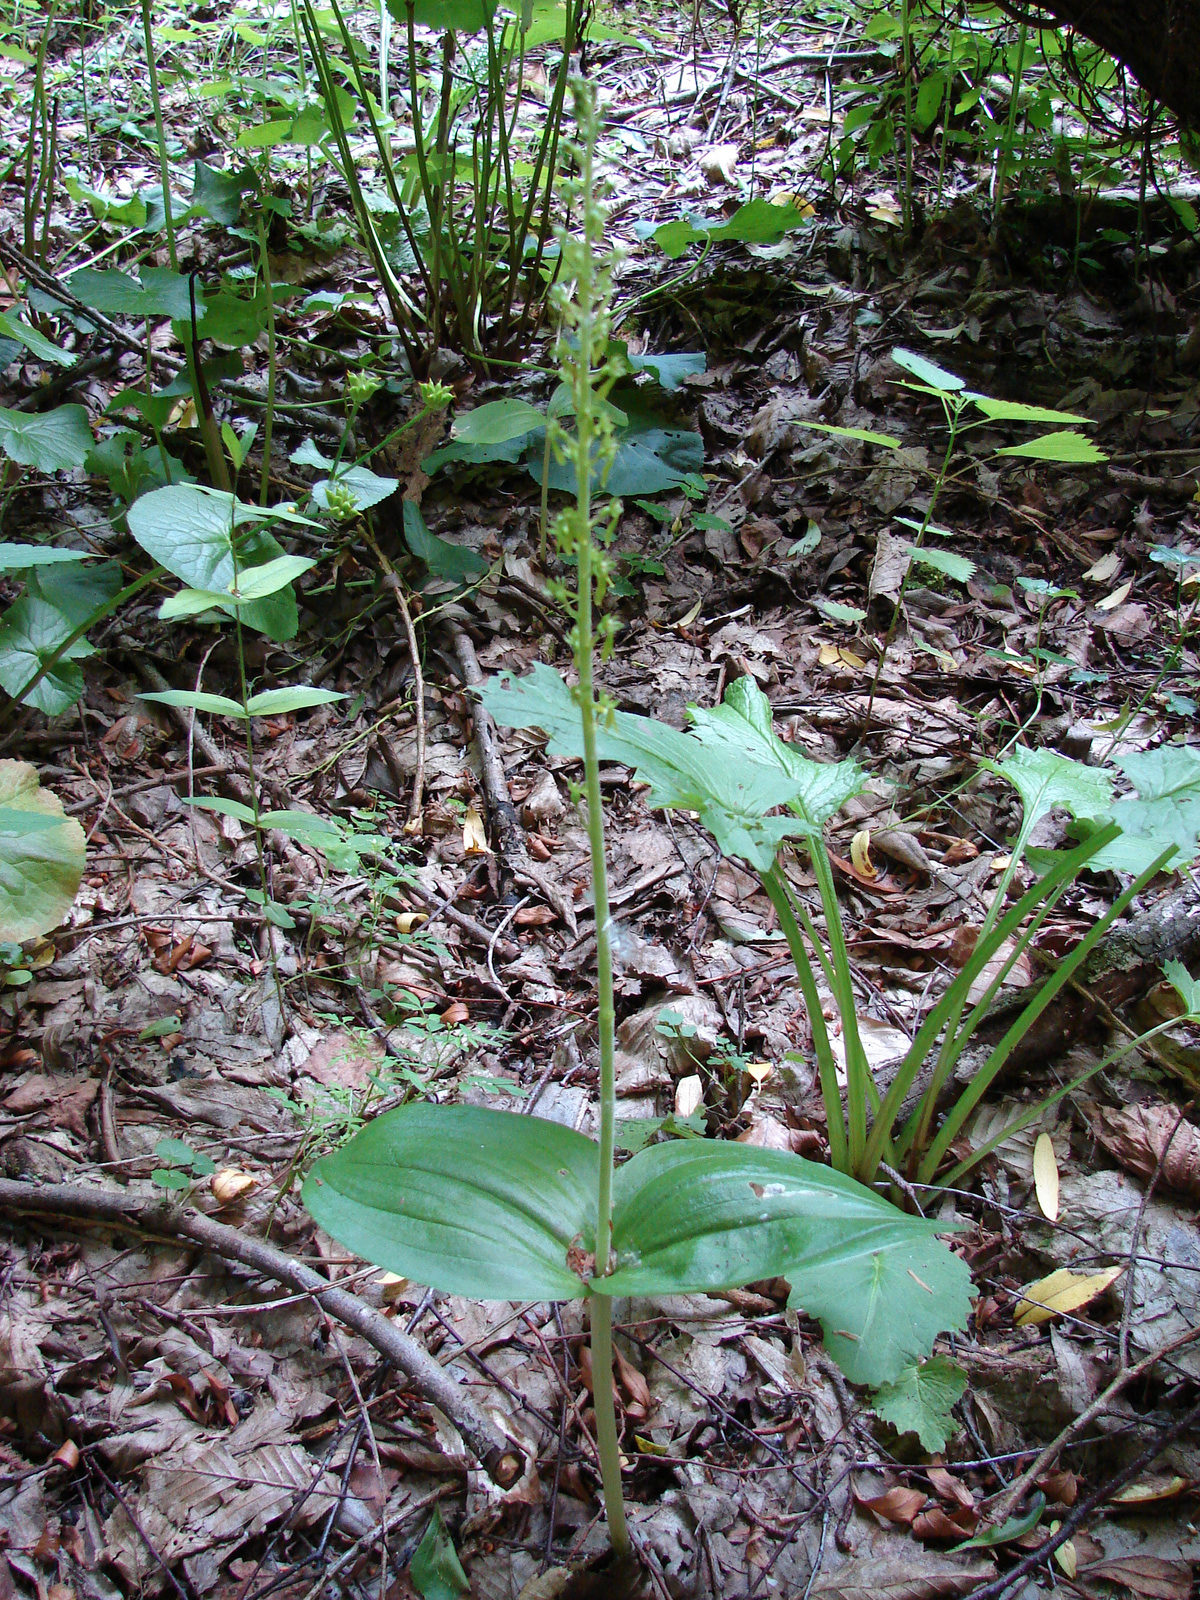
(172, 1422)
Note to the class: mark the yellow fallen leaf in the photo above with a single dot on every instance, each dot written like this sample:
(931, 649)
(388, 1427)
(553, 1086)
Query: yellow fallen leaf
(1062, 1291)
(406, 921)
(689, 1096)
(1065, 1555)
(474, 835)
(689, 616)
(760, 1071)
(1045, 1176)
(860, 854)
(391, 1286)
(829, 656)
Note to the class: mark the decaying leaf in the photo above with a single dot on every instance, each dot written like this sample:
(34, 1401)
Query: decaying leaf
(1062, 1291)
(914, 1574)
(1140, 1137)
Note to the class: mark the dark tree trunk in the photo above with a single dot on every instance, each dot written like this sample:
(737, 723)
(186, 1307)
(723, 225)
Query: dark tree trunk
(1158, 40)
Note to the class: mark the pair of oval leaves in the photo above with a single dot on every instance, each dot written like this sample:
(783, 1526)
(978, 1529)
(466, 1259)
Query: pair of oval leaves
(495, 1206)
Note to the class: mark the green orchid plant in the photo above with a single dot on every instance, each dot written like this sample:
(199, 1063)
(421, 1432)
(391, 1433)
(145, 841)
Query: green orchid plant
(493, 1205)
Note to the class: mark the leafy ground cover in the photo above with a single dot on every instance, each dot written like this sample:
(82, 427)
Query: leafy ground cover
(931, 493)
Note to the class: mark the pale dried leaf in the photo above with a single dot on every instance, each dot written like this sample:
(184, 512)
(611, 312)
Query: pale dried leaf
(1062, 1291)
(1045, 1176)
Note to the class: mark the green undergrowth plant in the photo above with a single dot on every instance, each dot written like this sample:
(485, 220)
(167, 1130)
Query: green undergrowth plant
(494, 1205)
(734, 772)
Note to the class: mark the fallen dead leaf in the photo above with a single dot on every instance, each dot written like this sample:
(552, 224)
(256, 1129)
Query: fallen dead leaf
(689, 1095)
(475, 834)
(1062, 1291)
(1045, 1176)
(899, 1505)
(916, 1574)
(860, 855)
(1140, 1137)
(1153, 1576)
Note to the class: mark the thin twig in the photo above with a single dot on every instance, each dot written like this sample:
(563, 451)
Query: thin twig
(392, 582)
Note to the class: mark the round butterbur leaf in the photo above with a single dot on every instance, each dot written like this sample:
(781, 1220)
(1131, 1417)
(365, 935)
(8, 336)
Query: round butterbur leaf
(42, 855)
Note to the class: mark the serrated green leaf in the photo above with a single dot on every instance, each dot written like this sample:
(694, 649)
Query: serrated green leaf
(471, 1201)
(1068, 447)
(1187, 987)
(882, 1308)
(863, 434)
(959, 568)
(921, 1400)
(1046, 780)
(836, 612)
(1015, 411)
(1167, 808)
(732, 796)
(42, 855)
(219, 705)
(926, 372)
(19, 557)
(48, 441)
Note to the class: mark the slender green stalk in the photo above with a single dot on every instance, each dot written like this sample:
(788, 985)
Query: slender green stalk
(582, 360)
(160, 134)
(1005, 151)
(269, 419)
(906, 69)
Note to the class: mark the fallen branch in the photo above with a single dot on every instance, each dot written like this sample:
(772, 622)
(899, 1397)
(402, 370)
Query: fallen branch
(501, 1460)
(509, 835)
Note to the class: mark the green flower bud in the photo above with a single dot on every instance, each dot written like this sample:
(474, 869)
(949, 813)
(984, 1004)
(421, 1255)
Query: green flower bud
(435, 396)
(340, 502)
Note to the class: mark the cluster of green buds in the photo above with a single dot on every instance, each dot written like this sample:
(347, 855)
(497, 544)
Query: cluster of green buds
(434, 396)
(341, 503)
(360, 386)
(583, 301)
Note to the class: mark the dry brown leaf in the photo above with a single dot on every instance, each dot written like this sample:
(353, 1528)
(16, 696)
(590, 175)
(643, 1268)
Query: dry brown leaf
(1153, 1576)
(911, 1574)
(934, 1523)
(895, 1505)
(1137, 1137)
(948, 1487)
(1045, 1176)
(689, 1095)
(228, 1184)
(1060, 1488)
(454, 1014)
(860, 855)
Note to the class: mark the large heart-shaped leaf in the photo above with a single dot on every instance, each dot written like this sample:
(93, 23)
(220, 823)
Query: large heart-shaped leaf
(1167, 809)
(1046, 780)
(161, 293)
(42, 855)
(470, 1201)
(49, 441)
(731, 791)
(31, 631)
(742, 725)
(757, 222)
(190, 531)
(882, 1307)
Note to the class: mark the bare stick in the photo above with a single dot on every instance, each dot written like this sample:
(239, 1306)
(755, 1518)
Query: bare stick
(392, 582)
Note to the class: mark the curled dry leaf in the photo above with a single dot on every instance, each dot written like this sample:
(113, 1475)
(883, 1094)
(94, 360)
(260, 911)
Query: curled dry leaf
(934, 1523)
(948, 1487)
(895, 1505)
(860, 854)
(475, 834)
(230, 1184)
(1140, 1137)
(1061, 1488)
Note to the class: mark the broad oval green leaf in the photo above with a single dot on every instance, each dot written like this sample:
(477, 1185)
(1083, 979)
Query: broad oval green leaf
(466, 1200)
(1068, 447)
(160, 293)
(256, 583)
(42, 855)
(705, 1215)
(223, 807)
(278, 702)
(497, 421)
(48, 441)
(219, 705)
(36, 343)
